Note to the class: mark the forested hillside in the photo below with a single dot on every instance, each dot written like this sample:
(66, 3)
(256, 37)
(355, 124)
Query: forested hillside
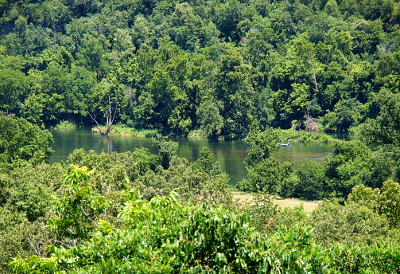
(216, 69)
(219, 66)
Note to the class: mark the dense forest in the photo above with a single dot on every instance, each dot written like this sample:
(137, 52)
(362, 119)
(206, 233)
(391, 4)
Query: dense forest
(220, 67)
(217, 69)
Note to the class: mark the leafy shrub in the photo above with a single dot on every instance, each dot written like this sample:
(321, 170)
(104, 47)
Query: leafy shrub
(165, 236)
(113, 169)
(347, 113)
(28, 189)
(65, 125)
(381, 257)
(197, 134)
(262, 212)
(23, 140)
(17, 237)
(77, 207)
(352, 223)
(267, 175)
(311, 181)
(385, 201)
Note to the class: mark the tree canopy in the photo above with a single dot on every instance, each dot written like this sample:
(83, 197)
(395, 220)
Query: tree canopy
(22, 140)
(223, 69)
(214, 66)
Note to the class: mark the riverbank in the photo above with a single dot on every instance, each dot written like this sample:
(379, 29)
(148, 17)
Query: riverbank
(284, 135)
(119, 130)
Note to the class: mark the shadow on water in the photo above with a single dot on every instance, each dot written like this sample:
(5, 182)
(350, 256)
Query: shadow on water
(230, 154)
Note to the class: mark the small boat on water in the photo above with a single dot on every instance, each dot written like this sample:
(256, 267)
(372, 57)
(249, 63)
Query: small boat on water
(286, 145)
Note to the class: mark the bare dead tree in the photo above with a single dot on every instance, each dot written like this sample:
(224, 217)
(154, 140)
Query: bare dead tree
(310, 124)
(97, 124)
(111, 113)
(314, 76)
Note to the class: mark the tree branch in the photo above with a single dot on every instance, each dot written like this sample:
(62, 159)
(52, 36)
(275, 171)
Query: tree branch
(98, 126)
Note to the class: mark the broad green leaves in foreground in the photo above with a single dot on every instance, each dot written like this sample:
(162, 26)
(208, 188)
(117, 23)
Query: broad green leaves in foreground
(166, 236)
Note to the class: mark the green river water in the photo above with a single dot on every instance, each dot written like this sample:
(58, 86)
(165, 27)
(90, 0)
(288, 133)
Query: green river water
(230, 154)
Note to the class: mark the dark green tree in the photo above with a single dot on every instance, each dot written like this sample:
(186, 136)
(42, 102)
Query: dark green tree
(383, 128)
(21, 140)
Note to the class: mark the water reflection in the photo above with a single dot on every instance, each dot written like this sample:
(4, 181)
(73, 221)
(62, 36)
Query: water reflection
(230, 154)
(300, 151)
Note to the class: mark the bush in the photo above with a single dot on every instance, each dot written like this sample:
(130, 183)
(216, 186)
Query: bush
(168, 237)
(311, 181)
(352, 223)
(65, 125)
(384, 201)
(268, 175)
(381, 257)
(21, 140)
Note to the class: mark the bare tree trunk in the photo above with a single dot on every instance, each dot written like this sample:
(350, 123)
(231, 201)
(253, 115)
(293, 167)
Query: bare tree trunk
(97, 124)
(310, 124)
(111, 113)
(110, 118)
(313, 74)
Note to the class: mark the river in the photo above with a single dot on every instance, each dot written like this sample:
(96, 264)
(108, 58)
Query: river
(230, 154)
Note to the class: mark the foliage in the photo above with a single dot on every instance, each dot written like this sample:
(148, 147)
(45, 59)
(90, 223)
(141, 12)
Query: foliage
(95, 228)
(381, 257)
(346, 113)
(73, 205)
(166, 150)
(186, 238)
(215, 66)
(268, 176)
(190, 182)
(264, 172)
(77, 207)
(197, 134)
(129, 131)
(260, 145)
(223, 69)
(210, 120)
(350, 224)
(368, 215)
(206, 163)
(262, 212)
(352, 163)
(383, 201)
(19, 237)
(267, 217)
(311, 181)
(21, 140)
(65, 125)
(383, 128)
(202, 179)
(27, 189)
(113, 169)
